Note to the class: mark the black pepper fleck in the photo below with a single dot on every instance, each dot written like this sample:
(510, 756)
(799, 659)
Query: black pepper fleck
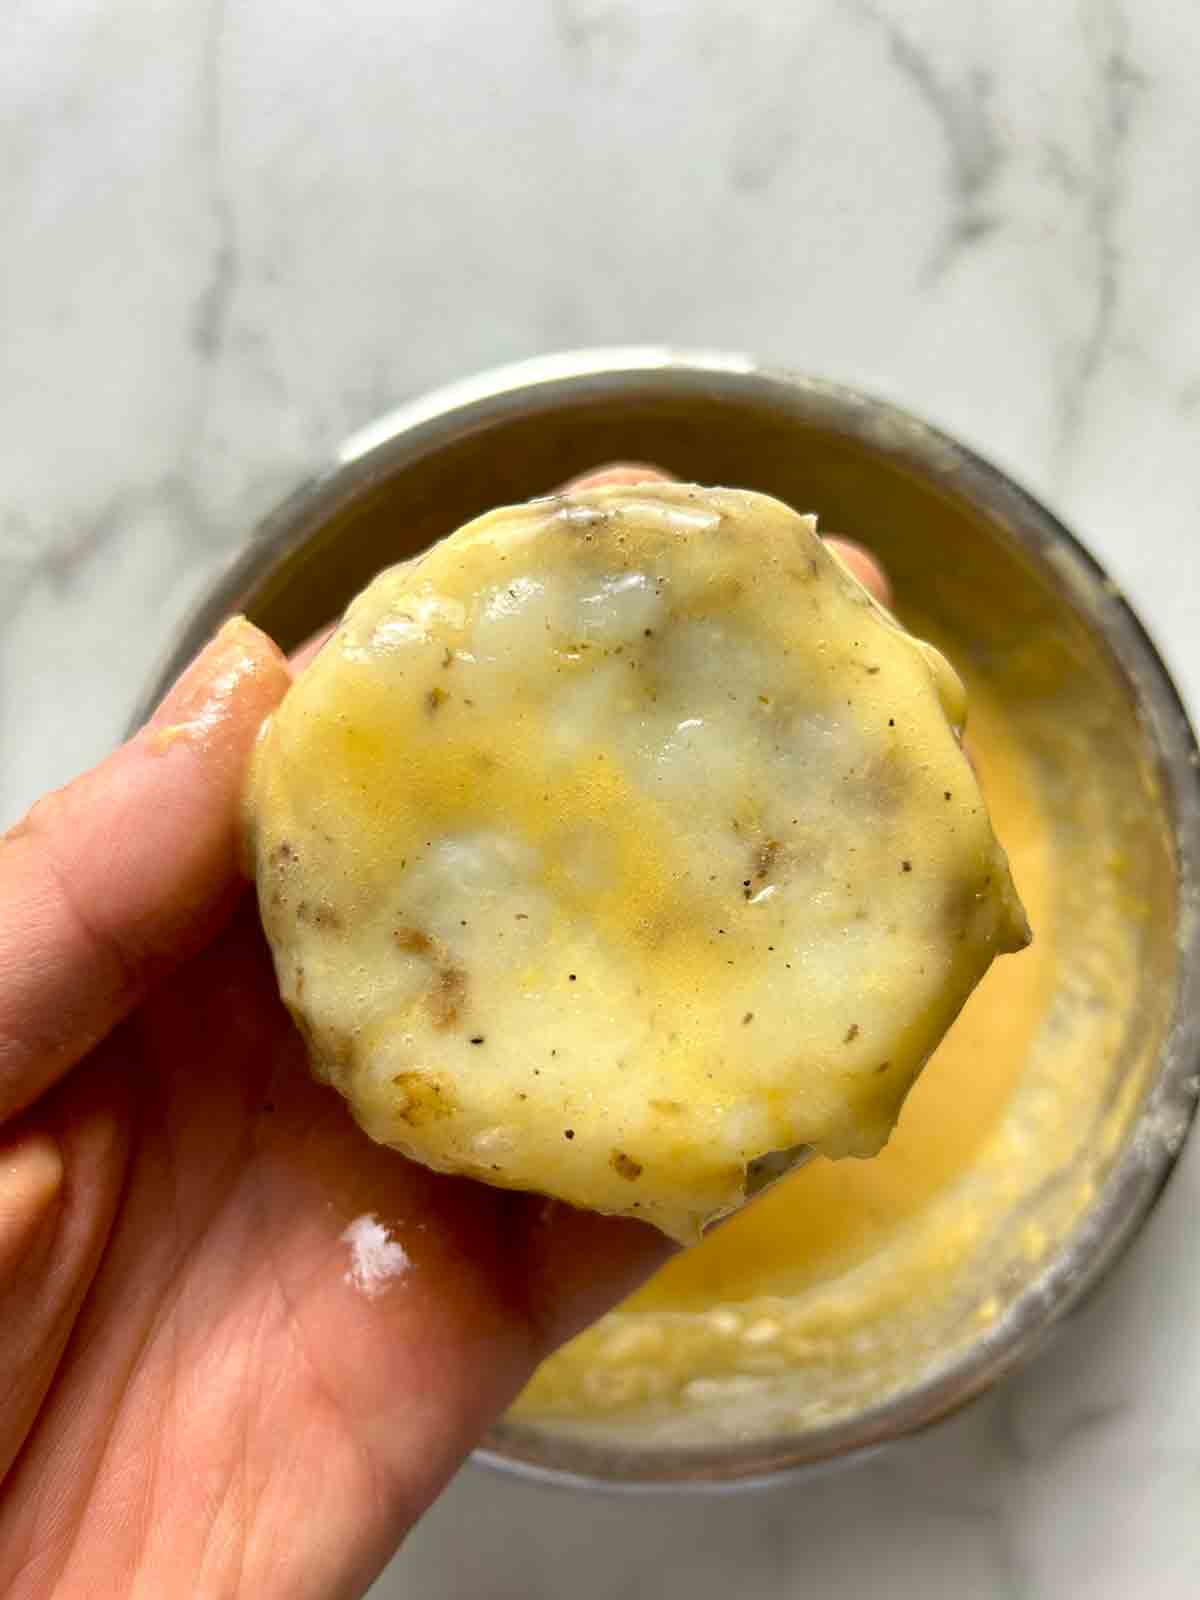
(568, 1133)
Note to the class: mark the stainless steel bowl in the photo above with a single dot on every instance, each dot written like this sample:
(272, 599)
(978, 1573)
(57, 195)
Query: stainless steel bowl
(976, 550)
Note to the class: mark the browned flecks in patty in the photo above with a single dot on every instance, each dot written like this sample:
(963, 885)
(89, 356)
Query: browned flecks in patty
(319, 915)
(851, 1033)
(281, 860)
(765, 858)
(427, 1099)
(434, 699)
(625, 1166)
(447, 995)
(447, 990)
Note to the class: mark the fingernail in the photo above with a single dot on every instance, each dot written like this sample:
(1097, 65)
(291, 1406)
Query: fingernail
(200, 700)
(31, 1180)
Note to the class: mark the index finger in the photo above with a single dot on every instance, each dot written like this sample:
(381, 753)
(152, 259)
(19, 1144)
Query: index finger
(109, 882)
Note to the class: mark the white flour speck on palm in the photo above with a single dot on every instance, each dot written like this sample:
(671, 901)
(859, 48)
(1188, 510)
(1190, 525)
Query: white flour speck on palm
(376, 1259)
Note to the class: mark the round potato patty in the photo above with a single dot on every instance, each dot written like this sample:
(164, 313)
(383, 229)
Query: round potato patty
(621, 839)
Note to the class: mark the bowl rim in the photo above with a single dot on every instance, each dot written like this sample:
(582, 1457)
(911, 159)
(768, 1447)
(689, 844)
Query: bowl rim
(376, 452)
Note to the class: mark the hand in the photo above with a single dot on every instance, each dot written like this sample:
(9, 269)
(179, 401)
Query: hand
(195, 1395)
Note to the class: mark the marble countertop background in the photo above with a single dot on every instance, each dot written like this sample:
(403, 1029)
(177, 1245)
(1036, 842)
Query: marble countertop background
(235, 231)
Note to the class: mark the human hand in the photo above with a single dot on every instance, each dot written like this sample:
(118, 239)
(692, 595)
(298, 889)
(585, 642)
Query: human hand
(197, 1396)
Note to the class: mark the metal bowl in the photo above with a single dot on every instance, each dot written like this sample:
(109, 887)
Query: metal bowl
(986, 560)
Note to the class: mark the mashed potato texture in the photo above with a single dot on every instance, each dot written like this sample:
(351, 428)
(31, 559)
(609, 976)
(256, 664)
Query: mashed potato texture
(619, 841)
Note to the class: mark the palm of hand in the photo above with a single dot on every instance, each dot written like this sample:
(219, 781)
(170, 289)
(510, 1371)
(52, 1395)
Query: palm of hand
(225, 1373)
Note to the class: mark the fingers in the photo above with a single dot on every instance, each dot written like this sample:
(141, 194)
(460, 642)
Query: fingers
(862, 565)
(31, 1179)
(300, 658)
(31, 1185)
(59, 1183)
(111, 881)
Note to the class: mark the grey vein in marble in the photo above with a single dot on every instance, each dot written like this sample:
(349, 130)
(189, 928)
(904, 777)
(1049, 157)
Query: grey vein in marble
(974, 150)
(210, 319)
(595, 29)
(1101, 191)
(757, 158)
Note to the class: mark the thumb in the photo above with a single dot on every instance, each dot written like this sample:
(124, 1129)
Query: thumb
(111, 881)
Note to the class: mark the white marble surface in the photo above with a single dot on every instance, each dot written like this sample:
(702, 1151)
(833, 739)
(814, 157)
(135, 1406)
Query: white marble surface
(234, 231)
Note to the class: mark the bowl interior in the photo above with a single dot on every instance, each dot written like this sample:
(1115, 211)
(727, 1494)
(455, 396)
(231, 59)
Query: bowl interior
(1022, 608)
